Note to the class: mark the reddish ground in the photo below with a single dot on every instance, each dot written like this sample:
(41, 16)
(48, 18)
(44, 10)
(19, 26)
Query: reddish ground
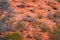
(39, 7)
